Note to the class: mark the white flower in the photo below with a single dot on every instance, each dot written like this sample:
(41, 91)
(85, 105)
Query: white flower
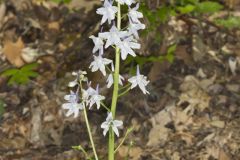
(114, 36)
(134, 14)
(80, 76)
(73, 106)
(128, 2)
(99, 64)
(98, 43)
(111, 123)
(127, 46)
(134, 27)
(95, 98)
(107, 11)
(139, 80)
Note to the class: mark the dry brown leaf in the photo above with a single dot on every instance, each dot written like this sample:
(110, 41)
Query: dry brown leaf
(12, 50)
(223, 155)
(176, 156)
(54, 25)
(213, 151)
(193, 92)
(217, 123)
(157, 135)
(181, 119)
(134, 153)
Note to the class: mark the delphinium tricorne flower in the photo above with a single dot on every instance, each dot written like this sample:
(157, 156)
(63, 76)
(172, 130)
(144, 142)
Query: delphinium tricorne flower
(124, 41)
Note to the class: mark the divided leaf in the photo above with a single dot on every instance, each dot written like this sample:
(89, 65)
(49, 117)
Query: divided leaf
(22, 75)
(230, 22)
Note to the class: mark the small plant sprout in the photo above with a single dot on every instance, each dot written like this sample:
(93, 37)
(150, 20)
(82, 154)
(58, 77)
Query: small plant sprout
(124, 41)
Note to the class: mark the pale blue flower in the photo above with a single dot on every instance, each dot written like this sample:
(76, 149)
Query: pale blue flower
(95, 98)
(127, 46)
(114, 36)
(72, 105)
(134, 15)
(99, 64)
(139, 80)
(98, 44)
(108, 12)
(134, 27)
(115, 124)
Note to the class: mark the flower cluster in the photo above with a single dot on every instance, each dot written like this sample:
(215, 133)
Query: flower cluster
(78, 100)
(125, 42)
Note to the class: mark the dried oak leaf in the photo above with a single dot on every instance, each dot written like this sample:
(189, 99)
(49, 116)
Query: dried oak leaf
(12, 50)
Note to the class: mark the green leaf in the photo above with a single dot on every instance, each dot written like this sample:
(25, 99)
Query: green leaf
(30, 74)
(29, 67)
(208, 7)
(10, 72)
(186, 9)
(22, 75)
(170, 53)
(230, 22)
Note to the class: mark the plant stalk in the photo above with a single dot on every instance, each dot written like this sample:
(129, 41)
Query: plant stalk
(111, 140)
(90, 133)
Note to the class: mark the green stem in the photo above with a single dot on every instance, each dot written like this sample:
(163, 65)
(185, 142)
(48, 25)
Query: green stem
(128, 131)
(115, 90)
(104, 106)
(126, 86)
(124, 92)
(90, 133)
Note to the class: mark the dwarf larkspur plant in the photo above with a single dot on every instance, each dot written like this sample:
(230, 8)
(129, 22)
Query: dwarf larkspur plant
(124, 41)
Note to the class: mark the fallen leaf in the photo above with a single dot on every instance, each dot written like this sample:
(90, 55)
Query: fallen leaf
(12, 50)
(134, 153)
(158, 134)
(223, 155)
(54, 25)
(217, 123)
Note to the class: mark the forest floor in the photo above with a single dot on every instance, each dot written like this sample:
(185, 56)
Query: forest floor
(191, 113)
